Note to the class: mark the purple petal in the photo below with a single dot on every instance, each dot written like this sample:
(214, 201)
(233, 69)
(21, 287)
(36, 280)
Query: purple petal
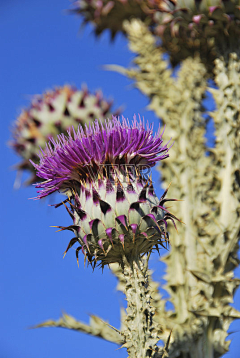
(71, 157)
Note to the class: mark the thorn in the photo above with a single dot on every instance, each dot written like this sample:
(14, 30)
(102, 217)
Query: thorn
(115, 68)
(69, 212)
(115, 329)
(168, 186)
(77, 251)
(61, 228)
(145, 266)
(168, 340)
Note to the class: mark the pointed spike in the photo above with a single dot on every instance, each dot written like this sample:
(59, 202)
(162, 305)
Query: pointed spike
(70, 227)
(68, 210)
(173, 216)
(167, 216)
(93, 222)
(77, 251)
(86, 242)
(151, 189)
(84, 253)
(81, 213)
(95, 196)
(165, 192)
(157, 248)
(165, 200)
(143, 195)
(120, 196)
(109, 234)
(71, 243)
(152, 217)
(105, 207)
(100, 243)
(134, 206)
(121, 238)
(134, 228)
(154, 209)
(123, 220)
(60, 204)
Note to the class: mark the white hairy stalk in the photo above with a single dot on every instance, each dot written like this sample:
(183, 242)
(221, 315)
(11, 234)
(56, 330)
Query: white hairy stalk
(182, 113)
(200, 265)
(157, 302)
(179, 104)
(140, 331)
(219, 221)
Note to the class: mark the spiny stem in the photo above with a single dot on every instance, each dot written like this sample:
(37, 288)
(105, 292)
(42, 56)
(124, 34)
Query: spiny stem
(141, 332)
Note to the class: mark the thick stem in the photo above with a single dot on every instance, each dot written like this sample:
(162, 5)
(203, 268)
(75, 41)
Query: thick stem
(184, 121)
(222, 222)
(141, 332)
(200, 265)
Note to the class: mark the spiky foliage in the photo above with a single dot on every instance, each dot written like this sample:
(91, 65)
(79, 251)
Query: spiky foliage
(219, 212)
(105, 14)
(200, 264)
(195, 27)
(96, 327)
(53, 113)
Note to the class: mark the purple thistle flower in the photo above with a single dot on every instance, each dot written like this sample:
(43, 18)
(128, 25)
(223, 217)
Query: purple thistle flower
(113, 206)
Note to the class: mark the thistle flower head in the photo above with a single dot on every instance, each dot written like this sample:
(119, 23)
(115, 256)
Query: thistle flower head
(113, 206)
(51, 114)
(192, 26)
(105, 14)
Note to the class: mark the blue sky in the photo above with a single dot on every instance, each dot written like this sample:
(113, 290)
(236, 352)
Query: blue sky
(41, 47)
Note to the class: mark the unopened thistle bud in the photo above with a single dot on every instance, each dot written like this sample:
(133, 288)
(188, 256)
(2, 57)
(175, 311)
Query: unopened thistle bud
(188, 27)
(113, 206)
(51, 114)
(105, 14)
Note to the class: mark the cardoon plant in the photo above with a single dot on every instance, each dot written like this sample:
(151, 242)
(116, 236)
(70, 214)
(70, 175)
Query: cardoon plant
(117, 217)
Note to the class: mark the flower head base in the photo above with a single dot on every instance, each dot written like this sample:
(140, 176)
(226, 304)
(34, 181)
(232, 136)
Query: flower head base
(113, 206)
(51, 114)
(188, 27)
